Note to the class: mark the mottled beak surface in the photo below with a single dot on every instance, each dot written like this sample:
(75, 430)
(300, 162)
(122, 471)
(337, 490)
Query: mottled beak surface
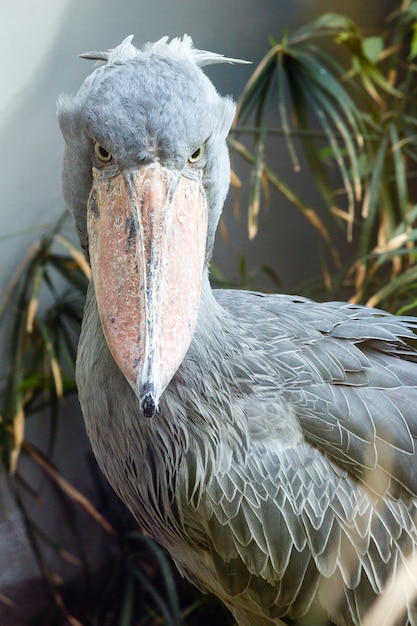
(147, 232)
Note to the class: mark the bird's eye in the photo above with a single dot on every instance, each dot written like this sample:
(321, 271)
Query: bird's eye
(196, 156)
(101, 153)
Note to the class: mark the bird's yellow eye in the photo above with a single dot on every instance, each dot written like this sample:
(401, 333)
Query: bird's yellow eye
(196, 156)
(101, 153)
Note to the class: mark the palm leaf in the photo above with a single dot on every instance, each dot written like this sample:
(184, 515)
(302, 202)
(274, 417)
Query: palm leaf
(256, 185)
(315, 96)
(371, 198)
(395, 285)
(286, 191)
(399, 167)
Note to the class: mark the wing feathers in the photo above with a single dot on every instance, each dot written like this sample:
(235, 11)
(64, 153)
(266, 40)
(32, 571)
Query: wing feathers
(312, 523)
(304, 515)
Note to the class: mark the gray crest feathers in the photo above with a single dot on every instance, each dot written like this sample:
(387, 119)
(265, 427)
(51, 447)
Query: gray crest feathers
(179, 47)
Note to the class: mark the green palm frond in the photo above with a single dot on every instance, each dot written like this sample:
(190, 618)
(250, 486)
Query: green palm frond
(310, 97)
(349, 108)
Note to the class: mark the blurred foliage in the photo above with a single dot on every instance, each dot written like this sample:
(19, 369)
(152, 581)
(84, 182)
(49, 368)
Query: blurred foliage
(355, 120)
(350, 100)
(40, 316)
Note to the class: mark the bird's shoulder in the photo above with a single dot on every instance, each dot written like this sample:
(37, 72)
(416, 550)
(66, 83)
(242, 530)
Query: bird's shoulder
(347, 373)
(304, 319)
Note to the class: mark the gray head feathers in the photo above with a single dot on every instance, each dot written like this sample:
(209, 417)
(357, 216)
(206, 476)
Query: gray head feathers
(177, 48)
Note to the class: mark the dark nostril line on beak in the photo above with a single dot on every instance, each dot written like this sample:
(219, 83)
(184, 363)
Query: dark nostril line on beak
(148, 403)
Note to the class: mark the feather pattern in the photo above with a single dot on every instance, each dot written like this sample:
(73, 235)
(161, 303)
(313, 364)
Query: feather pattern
(281, 469)
(289, 515)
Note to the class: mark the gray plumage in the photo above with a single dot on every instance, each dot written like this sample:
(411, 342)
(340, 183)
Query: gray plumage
(280, 468)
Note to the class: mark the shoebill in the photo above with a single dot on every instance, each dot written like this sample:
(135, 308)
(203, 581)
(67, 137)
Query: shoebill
(268, 442)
